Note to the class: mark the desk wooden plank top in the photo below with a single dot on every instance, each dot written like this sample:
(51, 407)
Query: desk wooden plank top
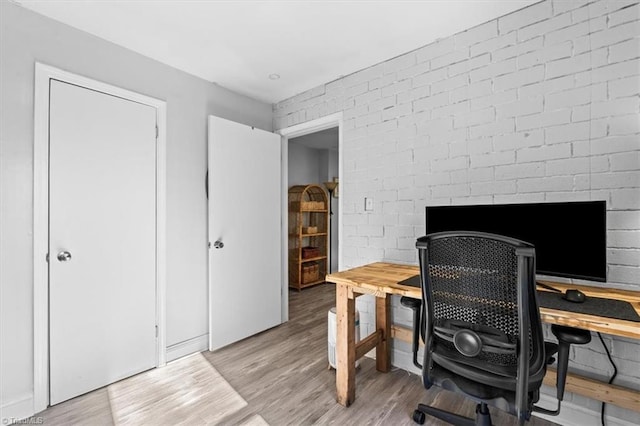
(383, 278)
(379, 277)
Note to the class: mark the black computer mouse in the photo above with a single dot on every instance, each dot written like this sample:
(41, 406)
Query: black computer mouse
(575, 296)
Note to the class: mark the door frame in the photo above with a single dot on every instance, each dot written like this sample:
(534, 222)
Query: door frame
(312, 126)
(43, 75)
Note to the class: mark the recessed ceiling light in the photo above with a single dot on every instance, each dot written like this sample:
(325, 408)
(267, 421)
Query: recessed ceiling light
(274, 76)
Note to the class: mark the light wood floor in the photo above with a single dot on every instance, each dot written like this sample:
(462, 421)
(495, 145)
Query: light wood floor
(282, 374)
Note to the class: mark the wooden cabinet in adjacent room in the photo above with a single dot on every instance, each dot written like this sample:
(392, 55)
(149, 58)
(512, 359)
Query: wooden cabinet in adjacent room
(308, 236)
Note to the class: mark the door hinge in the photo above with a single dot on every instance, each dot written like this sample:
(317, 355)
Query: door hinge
(46, 258)
(156, 331)
(157, 132)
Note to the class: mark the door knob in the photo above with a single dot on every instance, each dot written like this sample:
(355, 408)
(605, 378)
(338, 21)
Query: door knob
(218, 244)
(64, 256)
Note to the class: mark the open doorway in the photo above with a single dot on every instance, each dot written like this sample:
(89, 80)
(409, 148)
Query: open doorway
(314, 159)
(332, 121)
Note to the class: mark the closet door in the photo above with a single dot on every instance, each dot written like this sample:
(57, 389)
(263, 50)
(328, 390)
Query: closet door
(102, 261)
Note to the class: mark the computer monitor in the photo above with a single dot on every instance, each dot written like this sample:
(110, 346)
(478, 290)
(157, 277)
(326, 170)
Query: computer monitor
(569, 237)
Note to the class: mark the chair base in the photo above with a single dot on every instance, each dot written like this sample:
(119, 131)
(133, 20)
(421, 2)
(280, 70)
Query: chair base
(483, 417)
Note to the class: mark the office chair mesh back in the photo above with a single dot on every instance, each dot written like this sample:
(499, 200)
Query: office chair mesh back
(473, 283)
(481, 325)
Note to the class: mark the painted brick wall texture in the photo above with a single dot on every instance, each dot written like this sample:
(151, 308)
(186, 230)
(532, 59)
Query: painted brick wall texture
(539, 105)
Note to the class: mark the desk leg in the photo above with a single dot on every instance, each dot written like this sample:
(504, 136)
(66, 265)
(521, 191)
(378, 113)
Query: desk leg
(345, 346)
(383, 323)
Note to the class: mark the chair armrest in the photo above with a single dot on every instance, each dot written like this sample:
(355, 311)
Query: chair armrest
(566, 337)
(416, 306)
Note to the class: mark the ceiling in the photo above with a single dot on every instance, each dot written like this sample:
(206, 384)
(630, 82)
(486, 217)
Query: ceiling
(324, 139)
(239, 44)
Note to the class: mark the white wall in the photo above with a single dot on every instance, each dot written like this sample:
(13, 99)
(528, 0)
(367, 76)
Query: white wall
(27, 37)
(305, 165)
(539, 105)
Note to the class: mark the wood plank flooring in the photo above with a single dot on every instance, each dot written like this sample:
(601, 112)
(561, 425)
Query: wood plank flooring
(282, 374)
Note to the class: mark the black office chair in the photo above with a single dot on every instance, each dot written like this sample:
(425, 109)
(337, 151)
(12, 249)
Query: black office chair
(481, 325)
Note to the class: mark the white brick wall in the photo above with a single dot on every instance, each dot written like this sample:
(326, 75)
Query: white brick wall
(540, 105)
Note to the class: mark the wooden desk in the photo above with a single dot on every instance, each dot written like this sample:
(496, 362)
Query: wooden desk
(381, 280)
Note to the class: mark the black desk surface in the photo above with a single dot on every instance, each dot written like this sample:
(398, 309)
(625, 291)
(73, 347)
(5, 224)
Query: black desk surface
(598, 306)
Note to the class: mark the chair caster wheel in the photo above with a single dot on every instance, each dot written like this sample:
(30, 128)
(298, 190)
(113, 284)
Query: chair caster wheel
(419, 417)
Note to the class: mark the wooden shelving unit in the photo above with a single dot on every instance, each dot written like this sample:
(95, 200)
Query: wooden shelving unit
(308, 236)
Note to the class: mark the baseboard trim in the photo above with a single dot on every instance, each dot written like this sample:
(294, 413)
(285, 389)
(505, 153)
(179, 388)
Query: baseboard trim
(17, 409)
(188, 347)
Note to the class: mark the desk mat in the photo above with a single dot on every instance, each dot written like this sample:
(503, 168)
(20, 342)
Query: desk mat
(609, 308)
(414, 281)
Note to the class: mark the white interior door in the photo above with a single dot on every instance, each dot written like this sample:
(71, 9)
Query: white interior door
(245, 274)
(102, 279)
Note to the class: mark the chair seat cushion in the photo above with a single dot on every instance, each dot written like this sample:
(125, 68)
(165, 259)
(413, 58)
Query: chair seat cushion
(479, 392)
(484, 375)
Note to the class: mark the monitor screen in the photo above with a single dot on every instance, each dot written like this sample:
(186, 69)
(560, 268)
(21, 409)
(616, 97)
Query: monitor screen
(569, 237)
